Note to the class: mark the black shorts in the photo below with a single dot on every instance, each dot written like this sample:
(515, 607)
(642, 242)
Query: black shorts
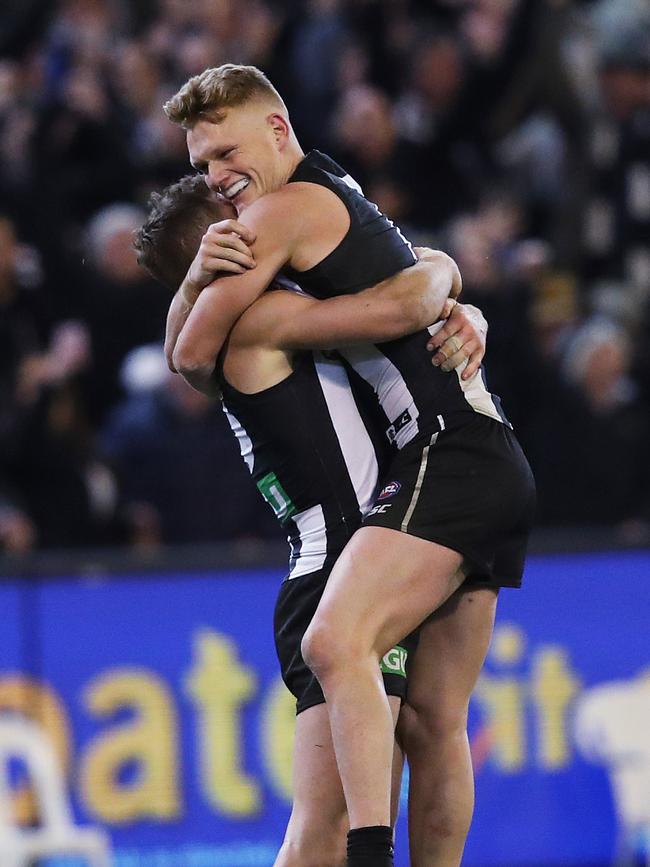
(295, 607)
(468, 488)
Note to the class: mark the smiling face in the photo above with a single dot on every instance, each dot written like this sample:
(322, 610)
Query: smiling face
(244, 155)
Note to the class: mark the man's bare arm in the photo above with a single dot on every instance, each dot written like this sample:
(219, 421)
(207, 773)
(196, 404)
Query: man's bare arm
(279, 222)
(402, 305)
(224, 249)
(177, 315)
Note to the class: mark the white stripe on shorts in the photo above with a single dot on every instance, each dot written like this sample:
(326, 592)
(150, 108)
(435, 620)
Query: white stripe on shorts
(418, 484)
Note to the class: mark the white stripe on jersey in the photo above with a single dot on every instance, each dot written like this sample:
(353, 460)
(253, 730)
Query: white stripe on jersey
(243, 440)
(282, 282)
(474, 390)
(356, 445)
(349, 181)
(312, 552)
(391, 389)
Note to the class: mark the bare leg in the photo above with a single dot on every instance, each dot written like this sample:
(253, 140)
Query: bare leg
(384, 584)
(433, 726)
(396, 786)
(315, 835)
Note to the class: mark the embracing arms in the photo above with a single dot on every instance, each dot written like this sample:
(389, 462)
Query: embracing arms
(401, 305)
(200, 319)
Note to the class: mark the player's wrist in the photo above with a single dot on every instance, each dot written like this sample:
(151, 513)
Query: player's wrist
(189, 292)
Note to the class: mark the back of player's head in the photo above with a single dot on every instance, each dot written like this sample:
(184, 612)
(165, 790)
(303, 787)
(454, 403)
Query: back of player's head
(208, 95)
(178, 218)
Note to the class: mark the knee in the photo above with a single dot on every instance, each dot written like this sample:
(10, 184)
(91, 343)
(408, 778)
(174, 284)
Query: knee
(423, 725)
(322, 649)
(335, 654)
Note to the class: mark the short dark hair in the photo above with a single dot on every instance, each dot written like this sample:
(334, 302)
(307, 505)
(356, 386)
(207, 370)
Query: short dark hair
(177, 220)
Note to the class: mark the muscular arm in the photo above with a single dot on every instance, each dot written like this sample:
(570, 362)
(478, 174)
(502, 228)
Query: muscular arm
(223, 250)
(302, 227)
(179, 310)
(202, 334)
(405, 303)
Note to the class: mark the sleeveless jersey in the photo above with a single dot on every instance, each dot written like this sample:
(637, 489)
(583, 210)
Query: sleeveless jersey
(414, 396)
(312, 456)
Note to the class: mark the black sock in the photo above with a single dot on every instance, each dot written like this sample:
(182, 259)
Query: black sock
(370, 847)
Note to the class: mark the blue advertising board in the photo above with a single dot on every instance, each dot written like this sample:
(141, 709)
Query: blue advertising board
(162, 696)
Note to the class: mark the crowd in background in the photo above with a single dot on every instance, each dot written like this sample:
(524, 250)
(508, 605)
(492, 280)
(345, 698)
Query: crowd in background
(514, 134)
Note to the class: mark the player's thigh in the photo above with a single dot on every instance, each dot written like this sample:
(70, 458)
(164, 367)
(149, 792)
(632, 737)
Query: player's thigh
(383, 585)
(452, 647)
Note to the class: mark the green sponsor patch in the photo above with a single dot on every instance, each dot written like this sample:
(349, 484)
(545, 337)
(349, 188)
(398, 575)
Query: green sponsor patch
(276, 496)
(394, 662)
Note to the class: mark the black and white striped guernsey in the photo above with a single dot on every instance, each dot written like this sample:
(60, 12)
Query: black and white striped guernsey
(414, 397)
(312, 456)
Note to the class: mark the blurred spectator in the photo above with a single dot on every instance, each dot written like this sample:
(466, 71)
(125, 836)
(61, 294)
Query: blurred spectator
(318, 38)
(616, 225)
(77, 132)
(17, 530)
(603, 478)
(181, 475)
(121, 304)
(499, 266)
(65, 495)
(427, 116)
(367, 143)
(23, 310)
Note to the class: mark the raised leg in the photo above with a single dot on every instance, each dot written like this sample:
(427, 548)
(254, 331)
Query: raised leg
(384, 584)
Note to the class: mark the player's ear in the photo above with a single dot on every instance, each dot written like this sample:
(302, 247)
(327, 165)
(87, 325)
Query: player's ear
(280, 128)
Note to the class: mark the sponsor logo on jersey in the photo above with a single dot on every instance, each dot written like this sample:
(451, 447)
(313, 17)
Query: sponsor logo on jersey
(389, 490)
(394, 662)
(275, 495)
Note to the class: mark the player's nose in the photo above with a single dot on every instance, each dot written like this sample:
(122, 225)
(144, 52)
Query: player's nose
(216, 177)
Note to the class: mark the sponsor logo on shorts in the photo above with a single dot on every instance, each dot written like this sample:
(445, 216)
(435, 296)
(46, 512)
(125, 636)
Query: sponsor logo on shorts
(394, 662)
(389, 490)
(381, 509)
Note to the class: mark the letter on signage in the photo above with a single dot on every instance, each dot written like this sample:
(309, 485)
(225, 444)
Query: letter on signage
(220, 686)
(148, 741)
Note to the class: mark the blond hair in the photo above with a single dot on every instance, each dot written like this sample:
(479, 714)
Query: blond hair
(208, 94)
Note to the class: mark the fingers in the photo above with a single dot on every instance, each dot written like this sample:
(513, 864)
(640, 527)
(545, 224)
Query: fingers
(228, 241)
(453, 353)
(453, 361)
(226, 252)
(474, 361)
(460, 339)
(224, 247)
(225, 227)
(442, 335)
(225, 265)
(448, 306)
